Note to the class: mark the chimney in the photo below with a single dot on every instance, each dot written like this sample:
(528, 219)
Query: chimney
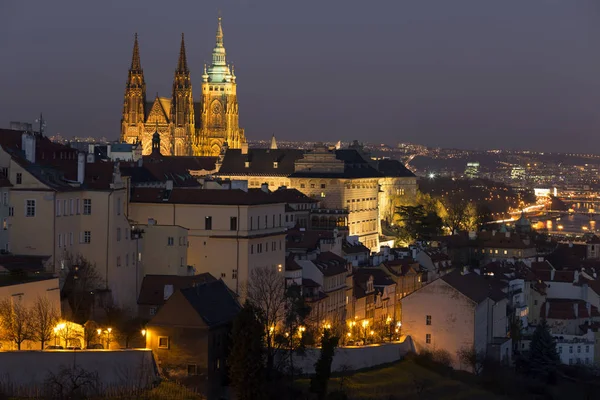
(576, 276)
(552, 271)
(493, 232)
(244, 148)
(576, 310)
(108, 150)
(265, 187)
(169, 185)
(168, 292)
(151, 221)
(570, 244)
(472, 235)
(28, 146)
(465, 271)
(507, 234)
(81, 167)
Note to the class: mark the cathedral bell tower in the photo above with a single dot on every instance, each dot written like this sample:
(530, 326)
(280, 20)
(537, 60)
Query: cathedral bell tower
(132, 121)
(182, 106)
(220, 117)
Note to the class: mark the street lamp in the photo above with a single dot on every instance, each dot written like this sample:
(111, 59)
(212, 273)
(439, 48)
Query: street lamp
(108, 331)
(145, 340)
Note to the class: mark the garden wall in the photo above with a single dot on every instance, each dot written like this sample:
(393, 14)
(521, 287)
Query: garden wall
(355, 358)
(109, 369)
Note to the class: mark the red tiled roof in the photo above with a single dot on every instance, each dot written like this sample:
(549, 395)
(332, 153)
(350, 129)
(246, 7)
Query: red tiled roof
(567, 309)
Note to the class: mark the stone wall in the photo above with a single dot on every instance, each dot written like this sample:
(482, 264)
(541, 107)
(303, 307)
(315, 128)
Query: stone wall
(356, 358)
(28, 371)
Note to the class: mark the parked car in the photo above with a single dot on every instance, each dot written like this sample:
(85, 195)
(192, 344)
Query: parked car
(95, 346)
(54, 347)
(73, 348)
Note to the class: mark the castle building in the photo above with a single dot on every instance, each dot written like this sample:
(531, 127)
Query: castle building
(185, 127)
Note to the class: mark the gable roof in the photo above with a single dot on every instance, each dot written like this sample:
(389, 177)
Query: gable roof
(152, 289)
(393, 168)
(213, 301)
(473, 286)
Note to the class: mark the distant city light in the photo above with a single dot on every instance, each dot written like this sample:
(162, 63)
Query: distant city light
(431, 175)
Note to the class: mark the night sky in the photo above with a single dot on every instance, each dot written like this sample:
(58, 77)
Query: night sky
(513, 74)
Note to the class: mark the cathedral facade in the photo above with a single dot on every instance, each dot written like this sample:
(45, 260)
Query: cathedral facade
(185, 127)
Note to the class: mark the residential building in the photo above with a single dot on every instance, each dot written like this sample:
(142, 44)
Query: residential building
(73, 207)
(328, 271)
(230, 231)
(190, 335)
(163, 248)
(435, 262)
(384, 296)
(458, 311)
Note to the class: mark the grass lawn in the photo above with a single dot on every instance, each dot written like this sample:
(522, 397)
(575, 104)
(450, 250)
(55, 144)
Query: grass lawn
(403, 380)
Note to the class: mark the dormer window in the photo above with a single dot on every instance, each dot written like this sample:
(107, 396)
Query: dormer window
(247, 164)
(275, 164)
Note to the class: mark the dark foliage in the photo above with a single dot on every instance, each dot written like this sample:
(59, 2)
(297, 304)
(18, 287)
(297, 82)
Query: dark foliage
(318, 383)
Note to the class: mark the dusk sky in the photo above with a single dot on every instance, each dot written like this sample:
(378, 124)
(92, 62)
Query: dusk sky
(513, 74)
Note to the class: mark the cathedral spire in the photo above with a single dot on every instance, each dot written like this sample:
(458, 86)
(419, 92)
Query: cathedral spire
(219, 50)
(182, 67)
(136, 64)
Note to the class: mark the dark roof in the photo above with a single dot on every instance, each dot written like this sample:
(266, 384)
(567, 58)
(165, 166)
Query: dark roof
(567, 309)
(292, 196)
(202, 196)
(213, 301)
(348, 248)
(291, 264)
(23, 263)
(10, 280)
(380, 277)
(331, 264)
(307, 239)
(153, 286)
(393, 168)
(262, 162)
(473, 286)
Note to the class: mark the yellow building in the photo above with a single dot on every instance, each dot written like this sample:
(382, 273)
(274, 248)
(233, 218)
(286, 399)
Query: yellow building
(230, 231)
(343, 179)
(185, 127)
(61, 206)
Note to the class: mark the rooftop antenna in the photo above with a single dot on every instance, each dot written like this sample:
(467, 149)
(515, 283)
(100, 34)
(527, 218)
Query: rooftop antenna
(42, 122)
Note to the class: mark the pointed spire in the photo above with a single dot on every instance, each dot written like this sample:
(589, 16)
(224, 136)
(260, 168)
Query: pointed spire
(136, 65)
(219, 33)
(273, 143)
(182, 67)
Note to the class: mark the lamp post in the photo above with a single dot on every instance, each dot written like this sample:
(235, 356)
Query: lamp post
(145, 341)
(55, 335)
(108, 331)
(365, 323)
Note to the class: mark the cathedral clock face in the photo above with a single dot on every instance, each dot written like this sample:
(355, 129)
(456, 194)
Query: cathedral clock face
(216, 108)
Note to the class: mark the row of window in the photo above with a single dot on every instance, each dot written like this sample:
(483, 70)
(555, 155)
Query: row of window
(259, 247)
(496, 251)
(73, 207)
(182, 241)
(66, 239)
(587, 349)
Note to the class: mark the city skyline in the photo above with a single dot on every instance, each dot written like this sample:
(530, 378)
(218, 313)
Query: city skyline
(392, 73)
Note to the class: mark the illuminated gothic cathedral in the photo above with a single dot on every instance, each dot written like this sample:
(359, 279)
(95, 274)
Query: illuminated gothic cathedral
(174, 118)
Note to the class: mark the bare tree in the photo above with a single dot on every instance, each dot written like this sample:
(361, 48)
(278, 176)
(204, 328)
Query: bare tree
(15, 321)
(44, 318)
(81, 282)
(90, 333)
(472, 358)
(266, 291)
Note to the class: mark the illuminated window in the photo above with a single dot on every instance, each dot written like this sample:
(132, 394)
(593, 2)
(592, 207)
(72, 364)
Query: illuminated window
(163, 342)
(428, 338)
